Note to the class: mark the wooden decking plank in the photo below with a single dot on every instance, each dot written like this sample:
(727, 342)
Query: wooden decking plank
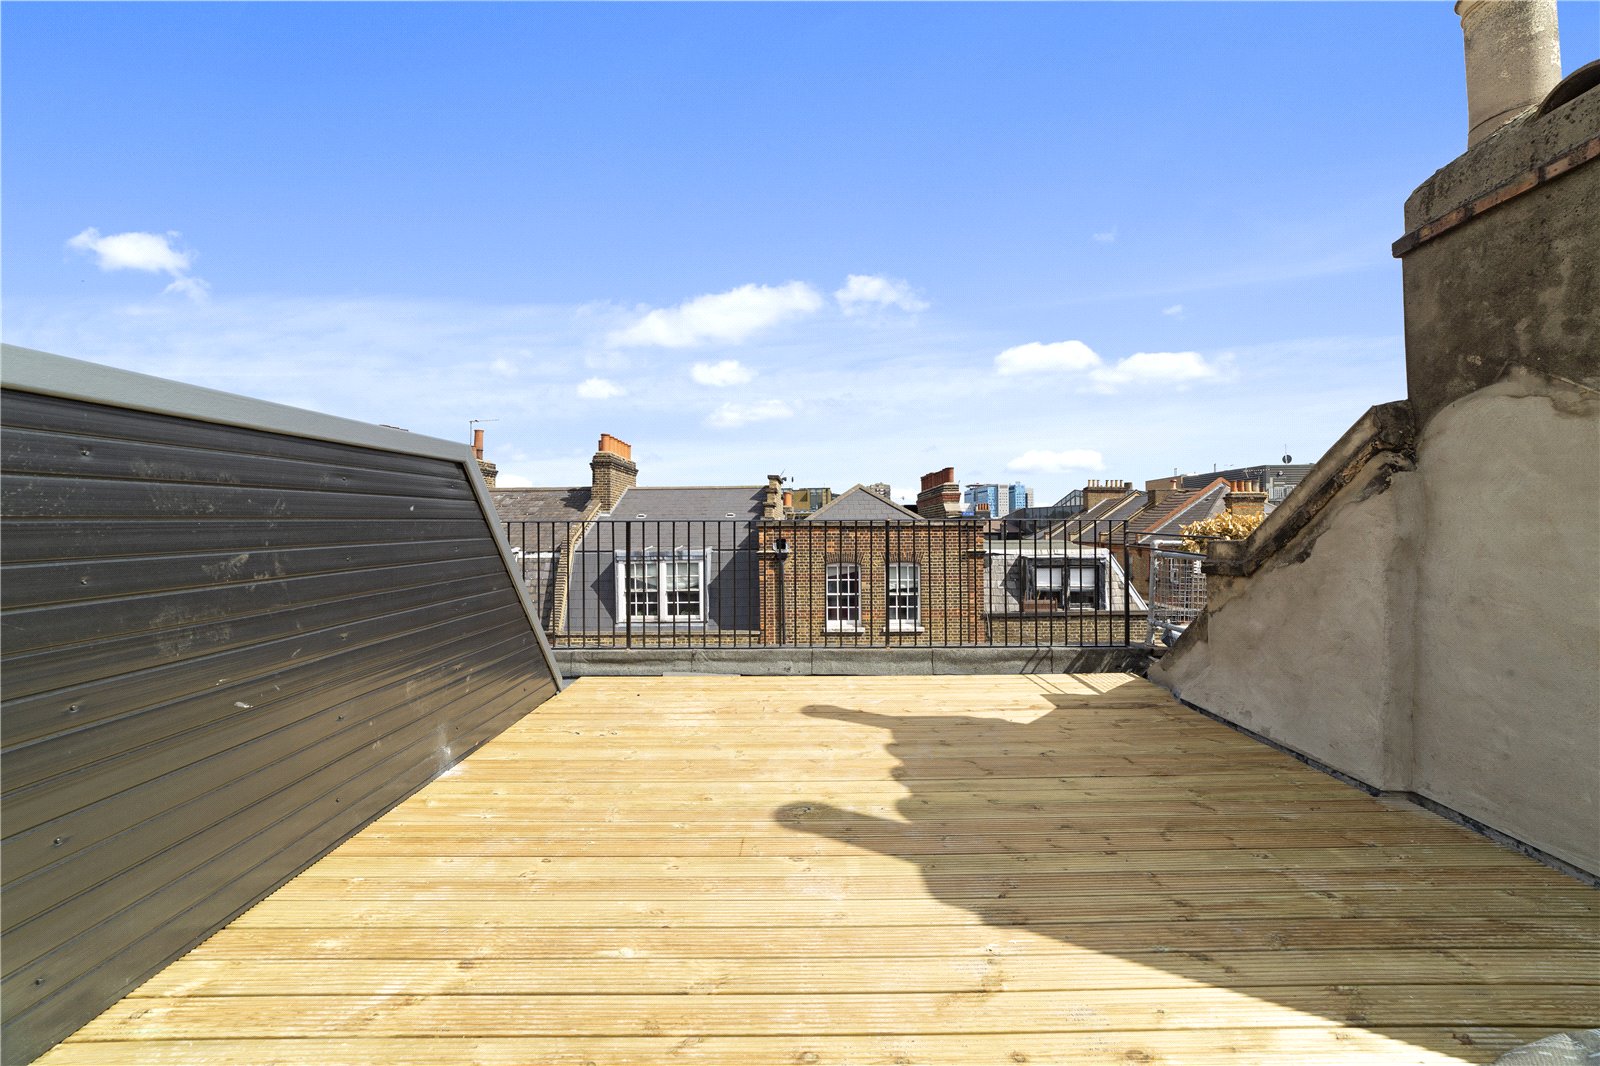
(1247, 1047)
(1534, 936)
(1394, 859)
(859, 870)
(838, 914)
(1066, 969)
(628, 1014)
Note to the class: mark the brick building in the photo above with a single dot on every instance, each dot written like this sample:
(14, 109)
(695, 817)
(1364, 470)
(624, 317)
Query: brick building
(869, 572)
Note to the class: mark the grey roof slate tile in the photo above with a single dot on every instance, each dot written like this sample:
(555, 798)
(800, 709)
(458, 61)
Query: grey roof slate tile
(859, 504)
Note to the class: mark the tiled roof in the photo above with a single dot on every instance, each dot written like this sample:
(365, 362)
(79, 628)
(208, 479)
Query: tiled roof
(860, 504)
(692, 502)
(540, 505)
(1181, 508)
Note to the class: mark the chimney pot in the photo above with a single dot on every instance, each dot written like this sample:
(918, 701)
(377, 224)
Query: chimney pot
(1513, 57)
(477, 444)
(615, 446)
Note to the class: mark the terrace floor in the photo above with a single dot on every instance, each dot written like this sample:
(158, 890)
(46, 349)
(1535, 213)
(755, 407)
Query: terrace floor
(862, 870)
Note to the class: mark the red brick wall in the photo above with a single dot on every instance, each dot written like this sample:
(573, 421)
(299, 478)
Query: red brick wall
(950, 555)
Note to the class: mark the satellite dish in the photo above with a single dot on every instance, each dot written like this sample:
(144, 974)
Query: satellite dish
(1288, 458)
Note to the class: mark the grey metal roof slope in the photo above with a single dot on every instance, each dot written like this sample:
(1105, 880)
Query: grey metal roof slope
(1126, 508)
(859, 504)
(691, 502)
(1104, 514)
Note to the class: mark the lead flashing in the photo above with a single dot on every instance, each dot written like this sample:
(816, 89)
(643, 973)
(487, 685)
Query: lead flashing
(29, 370)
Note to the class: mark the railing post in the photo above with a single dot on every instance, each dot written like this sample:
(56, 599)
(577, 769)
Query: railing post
(1127, 584)
(887, 636)
(627, 569)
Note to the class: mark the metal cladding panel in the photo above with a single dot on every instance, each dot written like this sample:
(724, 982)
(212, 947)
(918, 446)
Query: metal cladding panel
(227, 646)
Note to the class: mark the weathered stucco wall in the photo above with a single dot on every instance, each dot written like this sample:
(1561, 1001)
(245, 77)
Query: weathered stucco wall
(1435, 630)
(1434, 627)
(1507, 689)
(1331, 681)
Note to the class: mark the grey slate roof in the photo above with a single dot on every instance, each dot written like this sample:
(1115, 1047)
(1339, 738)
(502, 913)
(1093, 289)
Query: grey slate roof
(691, 502)
(861, 505)
(540, 505)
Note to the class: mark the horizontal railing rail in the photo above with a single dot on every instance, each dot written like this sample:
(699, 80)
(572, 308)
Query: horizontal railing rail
(749, 583)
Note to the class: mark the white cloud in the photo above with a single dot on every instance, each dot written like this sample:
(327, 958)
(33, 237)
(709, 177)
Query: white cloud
(734, 415)
(512, 481)
(504, 367)
(862, 292)
(724, 317)
(717, 375)
(1108, 237)
(599, 389)
(152, 253)
(1156, 368)
(1141, 368)
(1048, 462)
(194, 288)
(1036, 358)
(1176, 310)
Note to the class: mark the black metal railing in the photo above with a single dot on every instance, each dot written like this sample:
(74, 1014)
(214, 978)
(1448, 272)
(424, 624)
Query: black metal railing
(731, 583)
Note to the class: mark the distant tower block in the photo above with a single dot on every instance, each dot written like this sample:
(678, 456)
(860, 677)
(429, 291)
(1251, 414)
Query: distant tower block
(1513, 59)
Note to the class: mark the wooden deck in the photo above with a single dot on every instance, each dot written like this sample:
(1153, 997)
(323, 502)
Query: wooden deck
(864, 870)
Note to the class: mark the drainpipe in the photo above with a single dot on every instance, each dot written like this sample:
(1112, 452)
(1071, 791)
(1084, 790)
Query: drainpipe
(1513, 57)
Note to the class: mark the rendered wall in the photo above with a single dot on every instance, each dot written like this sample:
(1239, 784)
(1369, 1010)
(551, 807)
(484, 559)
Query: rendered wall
(1507, 698)
(1315, 649)
(1436, 629)
(225, 649)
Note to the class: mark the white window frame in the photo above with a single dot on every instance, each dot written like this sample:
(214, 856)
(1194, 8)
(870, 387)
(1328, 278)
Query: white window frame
(1099, 590)
(898, 620)
(624, 603)
(836, 600)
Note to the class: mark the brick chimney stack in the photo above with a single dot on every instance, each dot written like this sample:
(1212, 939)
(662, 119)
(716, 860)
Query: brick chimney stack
(1096, 491)
(1245, 498)
(613, 470)
(940, 496)
(486, 468)
(1160, 489)
(772, 505)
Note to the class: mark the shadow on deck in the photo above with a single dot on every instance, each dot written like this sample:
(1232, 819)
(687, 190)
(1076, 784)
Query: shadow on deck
(733, 871)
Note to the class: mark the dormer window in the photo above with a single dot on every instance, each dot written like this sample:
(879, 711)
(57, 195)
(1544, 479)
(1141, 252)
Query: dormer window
(662, 589)
(1061, 583)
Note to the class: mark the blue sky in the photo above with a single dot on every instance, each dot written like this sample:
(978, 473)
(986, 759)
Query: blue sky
(851, 242)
